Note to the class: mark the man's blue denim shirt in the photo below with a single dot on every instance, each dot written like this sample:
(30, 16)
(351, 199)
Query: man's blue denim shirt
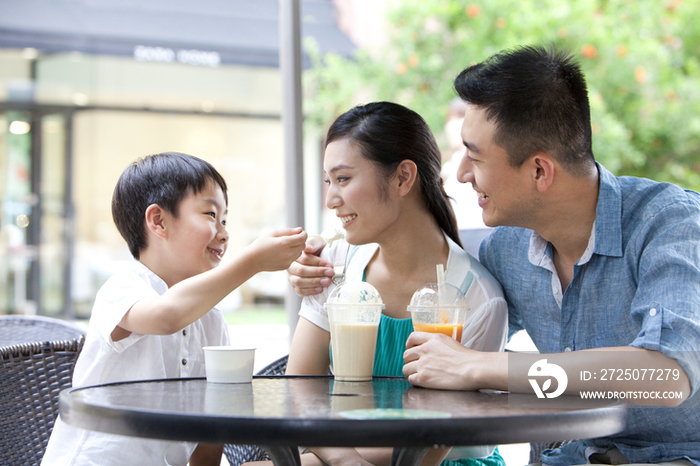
(637, 285)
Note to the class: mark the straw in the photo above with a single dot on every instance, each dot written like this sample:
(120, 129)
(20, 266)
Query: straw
(441, 283)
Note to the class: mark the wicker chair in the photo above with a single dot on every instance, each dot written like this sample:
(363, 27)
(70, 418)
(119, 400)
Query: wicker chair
(24, 329)
(275, 368)
(31, 377)
(239, 454)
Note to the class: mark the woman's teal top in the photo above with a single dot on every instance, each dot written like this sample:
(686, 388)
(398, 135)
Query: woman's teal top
(391, 344)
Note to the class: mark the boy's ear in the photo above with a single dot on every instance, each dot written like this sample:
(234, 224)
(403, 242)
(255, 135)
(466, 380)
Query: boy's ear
(155, 220)
(406, 174)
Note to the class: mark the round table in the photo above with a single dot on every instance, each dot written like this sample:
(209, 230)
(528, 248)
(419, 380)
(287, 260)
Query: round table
(281, 413)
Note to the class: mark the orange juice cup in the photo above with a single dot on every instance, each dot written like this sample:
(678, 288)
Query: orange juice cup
(451, 330)
(439, 310)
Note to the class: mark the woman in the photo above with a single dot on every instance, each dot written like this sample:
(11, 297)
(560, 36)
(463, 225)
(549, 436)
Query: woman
(382, 167)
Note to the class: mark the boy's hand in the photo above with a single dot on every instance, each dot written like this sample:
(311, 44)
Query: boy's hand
(309, 273)
(277, 250)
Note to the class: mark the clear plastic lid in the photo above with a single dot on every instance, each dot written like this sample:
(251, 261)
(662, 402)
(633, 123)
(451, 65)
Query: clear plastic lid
(355, 293)
(430, 295)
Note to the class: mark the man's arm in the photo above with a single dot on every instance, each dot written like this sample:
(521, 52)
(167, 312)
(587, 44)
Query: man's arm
(436, 362)
(309, 274)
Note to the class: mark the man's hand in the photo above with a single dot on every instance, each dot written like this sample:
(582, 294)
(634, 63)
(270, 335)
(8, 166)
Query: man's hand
(309, 274)
(438, 361)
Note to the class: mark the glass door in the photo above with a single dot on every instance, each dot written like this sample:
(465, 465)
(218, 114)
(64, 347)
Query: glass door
(16, 210)
(54, 242)
(34, 220)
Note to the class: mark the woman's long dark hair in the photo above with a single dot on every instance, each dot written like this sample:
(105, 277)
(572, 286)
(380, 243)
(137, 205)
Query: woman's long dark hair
(388, 133)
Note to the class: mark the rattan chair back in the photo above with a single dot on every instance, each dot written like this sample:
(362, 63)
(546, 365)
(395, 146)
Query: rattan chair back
(275, 368)
(16, 329)
(31, 377)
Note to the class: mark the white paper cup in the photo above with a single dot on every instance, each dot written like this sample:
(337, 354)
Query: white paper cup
(227, 364)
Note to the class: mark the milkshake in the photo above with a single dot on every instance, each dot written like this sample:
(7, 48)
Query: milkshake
(354, 310)
(353, 346)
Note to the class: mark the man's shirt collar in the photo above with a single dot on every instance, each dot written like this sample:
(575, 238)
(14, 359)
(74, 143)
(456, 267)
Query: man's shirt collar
(606, 235)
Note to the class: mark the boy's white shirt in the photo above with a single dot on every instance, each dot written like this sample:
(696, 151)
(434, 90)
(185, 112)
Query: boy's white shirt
(137, 357)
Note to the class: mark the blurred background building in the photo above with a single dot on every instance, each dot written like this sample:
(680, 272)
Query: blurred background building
(86, 87)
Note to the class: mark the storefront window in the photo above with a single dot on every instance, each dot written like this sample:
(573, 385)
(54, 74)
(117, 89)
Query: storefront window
(90, 116)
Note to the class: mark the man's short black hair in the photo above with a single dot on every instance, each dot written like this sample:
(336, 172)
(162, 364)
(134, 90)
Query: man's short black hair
(164, 179)
(538, 99)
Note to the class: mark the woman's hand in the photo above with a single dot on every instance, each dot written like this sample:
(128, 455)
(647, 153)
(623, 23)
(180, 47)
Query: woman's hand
(340, 457)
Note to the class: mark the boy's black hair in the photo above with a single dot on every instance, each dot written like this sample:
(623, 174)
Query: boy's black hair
(164, 179)
(538, 99)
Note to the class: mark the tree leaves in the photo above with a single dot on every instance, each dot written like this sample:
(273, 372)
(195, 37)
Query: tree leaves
(641, 59)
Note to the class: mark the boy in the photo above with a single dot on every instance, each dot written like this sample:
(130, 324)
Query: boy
(151, 321)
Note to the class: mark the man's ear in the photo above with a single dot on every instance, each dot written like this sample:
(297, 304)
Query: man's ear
(406, 174)
(543, 168)
(155, 220)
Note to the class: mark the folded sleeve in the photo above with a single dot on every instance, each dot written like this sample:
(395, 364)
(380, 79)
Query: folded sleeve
(667, 301)
(112, 303)
(312, 306)
(486, 325)
(486, 329)
(312, 310)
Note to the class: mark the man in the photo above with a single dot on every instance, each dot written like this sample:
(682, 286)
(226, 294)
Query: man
(590, 263)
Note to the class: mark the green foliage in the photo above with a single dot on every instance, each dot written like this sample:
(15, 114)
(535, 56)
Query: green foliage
(641, 59)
